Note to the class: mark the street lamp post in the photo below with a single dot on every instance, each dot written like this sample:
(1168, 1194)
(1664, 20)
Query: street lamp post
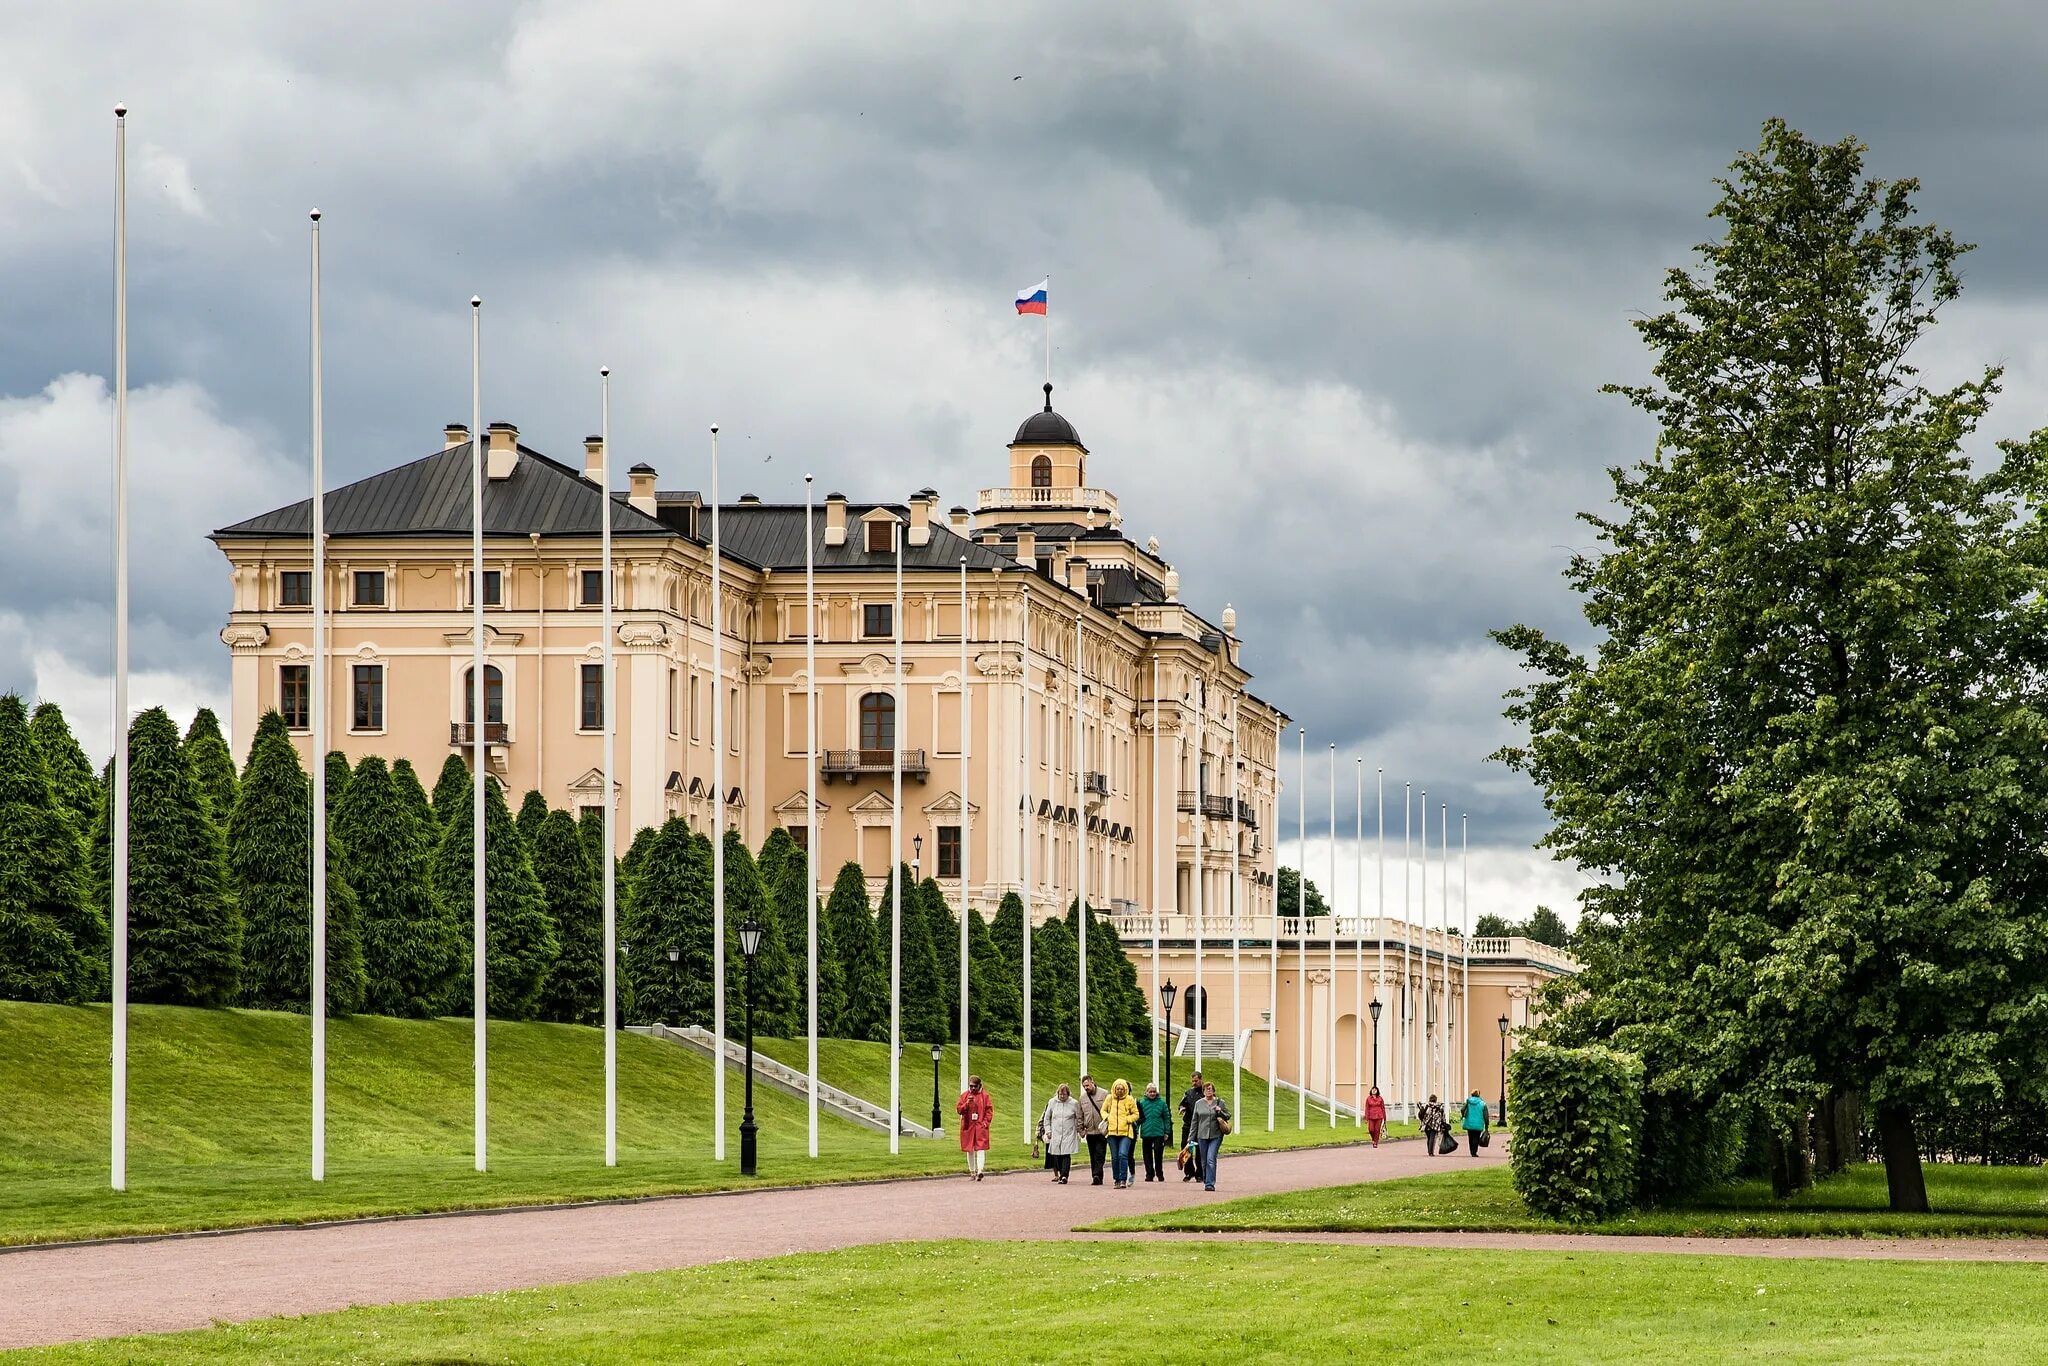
(916, 858)
(1503, 1071)
(675, 971)
(750, 944)
(938, 1050)
(1166, 994)
(1374, 1009)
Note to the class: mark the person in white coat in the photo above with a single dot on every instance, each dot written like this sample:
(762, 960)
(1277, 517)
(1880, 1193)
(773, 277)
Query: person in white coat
(1059, 1129)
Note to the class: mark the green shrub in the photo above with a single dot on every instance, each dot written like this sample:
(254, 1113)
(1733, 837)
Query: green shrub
(1578, 1119)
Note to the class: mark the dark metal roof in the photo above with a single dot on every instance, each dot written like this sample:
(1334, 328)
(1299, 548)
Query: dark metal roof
(771, 536)
(1047, 428)
(1122, 587)
(430, 497)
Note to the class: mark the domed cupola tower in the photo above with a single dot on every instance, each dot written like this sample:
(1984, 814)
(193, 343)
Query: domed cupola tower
(1048, 476)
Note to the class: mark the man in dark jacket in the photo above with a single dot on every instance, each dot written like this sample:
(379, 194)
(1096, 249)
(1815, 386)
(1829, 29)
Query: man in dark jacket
(1187, 1119)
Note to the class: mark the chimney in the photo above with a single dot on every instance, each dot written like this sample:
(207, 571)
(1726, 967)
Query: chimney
(593, 459)
(922, 504)
(835, 519)
(1027, 548)
(501, 451)
(455, 434)
(1077, 575)
(640, 487)
(960, 521)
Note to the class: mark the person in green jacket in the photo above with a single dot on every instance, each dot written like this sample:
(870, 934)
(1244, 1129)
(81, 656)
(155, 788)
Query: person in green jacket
(1155, 1127)
(1475, 1122)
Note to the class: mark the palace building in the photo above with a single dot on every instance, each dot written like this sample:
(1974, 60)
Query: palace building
(1151, 777)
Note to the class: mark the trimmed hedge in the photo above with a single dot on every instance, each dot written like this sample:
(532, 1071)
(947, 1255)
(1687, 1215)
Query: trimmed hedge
(1578, 1118)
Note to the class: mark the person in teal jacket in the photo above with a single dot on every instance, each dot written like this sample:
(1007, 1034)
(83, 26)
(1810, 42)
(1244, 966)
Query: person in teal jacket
(1155, 1128)
(1475, 1122)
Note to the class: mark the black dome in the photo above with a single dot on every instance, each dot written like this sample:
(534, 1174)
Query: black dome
(1047, 428)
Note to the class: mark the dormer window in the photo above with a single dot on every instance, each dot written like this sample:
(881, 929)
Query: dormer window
(881, 538)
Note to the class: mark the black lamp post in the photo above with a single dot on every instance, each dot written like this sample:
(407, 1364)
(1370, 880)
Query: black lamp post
(675, 958)
(937, 1051)
(916, 856)
(1166, 994)
(750, 944)
(1375, 1009)
(1503, 1071)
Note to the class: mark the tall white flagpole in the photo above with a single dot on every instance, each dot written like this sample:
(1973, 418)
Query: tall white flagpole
(120, 832)
(1028, 824)
(966, 820)
(611, 799)
(1164, 1033)
(1199, 820)
(1428, 999)
(318, 1004)
(478, 717)
(811, 805)
(1273, 964)
(718, 818)
(1443, 855)
(1236, 935)
(1359, 1022)
(1331, 1013)
(896, 865)
(1465, 911)
(1410, 1073)
(1080, 829)
(1301, 930)
(1380, 980)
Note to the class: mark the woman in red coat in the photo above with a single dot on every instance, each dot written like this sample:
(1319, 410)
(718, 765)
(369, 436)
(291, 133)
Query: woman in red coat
(975, 1110)
(1375, 1115)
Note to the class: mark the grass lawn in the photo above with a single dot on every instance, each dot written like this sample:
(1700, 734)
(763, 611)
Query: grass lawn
(863, 1069)
(997, 1302)
(219, 1119)
(1968, 1201)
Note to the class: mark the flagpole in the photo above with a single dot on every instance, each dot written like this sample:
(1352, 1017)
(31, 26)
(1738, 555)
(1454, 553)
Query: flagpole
(811, 803)
(1201, 997)
(478, 717)
(1409, 1071)
(318, 1004)
(1080, 829)
(966, 820)
(1301, 932)
(896, 865)
(717, 818)
(1236, 936)
(1331, 1012)
(1027, 823)
(1273, 963)
(1164, 1033)
(611, 799)
(1422, 878)
(1443, 855)
(1358, 1020)
(1380, 976)
(1465, 911)
(119, 890)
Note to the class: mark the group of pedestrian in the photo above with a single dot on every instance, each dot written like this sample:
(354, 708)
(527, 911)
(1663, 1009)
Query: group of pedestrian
(1473, 1118)
(1117, 1126)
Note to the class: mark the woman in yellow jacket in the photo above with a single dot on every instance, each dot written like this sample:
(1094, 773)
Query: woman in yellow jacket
(1120, 1123)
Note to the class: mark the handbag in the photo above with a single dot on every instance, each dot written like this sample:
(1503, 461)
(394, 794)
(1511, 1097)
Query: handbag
(1186, 1160)
(1486, 1138)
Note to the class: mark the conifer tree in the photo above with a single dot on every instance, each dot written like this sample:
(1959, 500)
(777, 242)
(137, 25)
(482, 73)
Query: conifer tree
(339, 772)
(213, 767)
(412, 949)
(670, 907)
(864, 1006)
(184, 931)
(778, 1006)
(270, 851)
(636, 855)
(786, 891)
(942, 927)
(923, 997)
(533, 809)
(46, 914)
(519, 937)
(405, 783)
(1055, 982)
(1006, 932)
(995, 1010)
(590, 824)
(78, 788)
(575, 988)
(452, 790)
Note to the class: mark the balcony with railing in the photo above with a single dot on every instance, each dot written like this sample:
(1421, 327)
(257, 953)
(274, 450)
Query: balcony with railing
(1097, 784)
(860, 763)
(1246, 815)
(1136, 925)
(1092, 500)
(464, 732)
(1189, 801)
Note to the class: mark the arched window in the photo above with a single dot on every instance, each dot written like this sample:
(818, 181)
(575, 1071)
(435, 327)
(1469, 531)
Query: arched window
(1195, 1009)
(877, 721)
(494, 696)
(1041, 471)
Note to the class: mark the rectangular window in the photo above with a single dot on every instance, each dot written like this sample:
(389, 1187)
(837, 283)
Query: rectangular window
(591, 713)
(696, 713)
(801, 836)
(295, 588)
(674, 703)
(877, 619)
(592, 585)
(732, 720)
(949, 851)
(295, 695)
(494, 588)
(879, 536)
(369, 586)
(367, 697)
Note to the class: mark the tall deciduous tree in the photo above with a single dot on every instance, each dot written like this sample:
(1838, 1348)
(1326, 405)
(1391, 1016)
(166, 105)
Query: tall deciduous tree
(1290, 894)
(47, 930)
(519, 936)
(184, 931)
(575, 988)
(71, 777)
(864, 1009)
(1806, 753)
(412, 947)
(213, 767)
(270, 854)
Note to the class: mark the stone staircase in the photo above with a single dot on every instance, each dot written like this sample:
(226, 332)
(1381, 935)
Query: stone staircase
(790, 1080)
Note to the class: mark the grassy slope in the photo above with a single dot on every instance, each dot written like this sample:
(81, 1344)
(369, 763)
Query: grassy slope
(219, 1118)
(1055, 1302)
(863, 1069)
(1969, 1201)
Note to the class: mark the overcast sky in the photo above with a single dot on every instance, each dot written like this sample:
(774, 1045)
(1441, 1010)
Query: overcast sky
(1333, 289)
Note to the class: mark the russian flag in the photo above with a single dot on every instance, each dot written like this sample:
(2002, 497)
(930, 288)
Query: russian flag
(1032, 300)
